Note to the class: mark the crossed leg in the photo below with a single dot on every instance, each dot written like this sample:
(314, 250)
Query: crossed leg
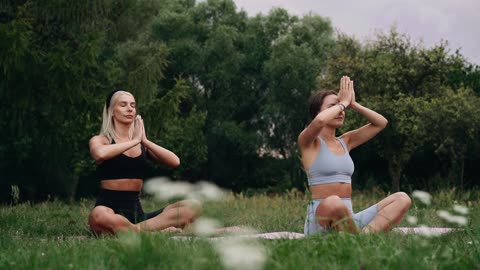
(103, 219)
(333, 213)
(390, 212)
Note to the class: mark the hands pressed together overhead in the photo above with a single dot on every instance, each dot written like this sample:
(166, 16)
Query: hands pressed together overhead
(346, 95)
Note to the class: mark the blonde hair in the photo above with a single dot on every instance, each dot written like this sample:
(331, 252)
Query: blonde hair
(108, 125)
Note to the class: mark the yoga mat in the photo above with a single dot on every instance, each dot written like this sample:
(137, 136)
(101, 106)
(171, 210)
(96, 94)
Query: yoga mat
(404, 230)
(428, 231)
(424, 230)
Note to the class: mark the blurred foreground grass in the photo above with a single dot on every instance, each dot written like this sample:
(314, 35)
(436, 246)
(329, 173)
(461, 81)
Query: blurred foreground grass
(54, 235)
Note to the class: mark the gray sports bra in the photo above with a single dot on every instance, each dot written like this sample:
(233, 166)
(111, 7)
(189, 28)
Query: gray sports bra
(329, 167)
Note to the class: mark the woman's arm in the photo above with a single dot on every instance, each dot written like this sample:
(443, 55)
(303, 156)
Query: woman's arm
(308, 135)
(361, 135)
(159, 154)
(101, 149)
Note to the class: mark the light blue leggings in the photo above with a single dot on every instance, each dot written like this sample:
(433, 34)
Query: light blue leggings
(361, 218)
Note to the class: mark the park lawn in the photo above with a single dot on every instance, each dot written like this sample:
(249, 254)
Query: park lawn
(53, 235)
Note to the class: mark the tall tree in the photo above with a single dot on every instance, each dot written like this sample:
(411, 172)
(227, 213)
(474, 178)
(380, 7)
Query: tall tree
(298, 55)
(406, 82)
(58, 60)
(456, 122)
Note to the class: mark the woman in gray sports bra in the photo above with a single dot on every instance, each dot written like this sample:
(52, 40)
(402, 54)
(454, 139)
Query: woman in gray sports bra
(329, 166)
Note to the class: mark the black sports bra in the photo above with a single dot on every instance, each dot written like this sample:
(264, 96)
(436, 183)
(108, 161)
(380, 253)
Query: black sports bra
(123, 167)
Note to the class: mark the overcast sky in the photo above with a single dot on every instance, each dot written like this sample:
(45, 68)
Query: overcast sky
(431, 21)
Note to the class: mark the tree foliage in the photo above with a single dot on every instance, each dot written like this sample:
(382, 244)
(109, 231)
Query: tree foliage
(226, 92)
(58, 61)
(421, 92)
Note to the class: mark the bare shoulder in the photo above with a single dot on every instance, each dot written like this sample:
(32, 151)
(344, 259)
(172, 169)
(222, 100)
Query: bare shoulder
(345, 137)
(305, 143)
(301, 136)
(99, 139)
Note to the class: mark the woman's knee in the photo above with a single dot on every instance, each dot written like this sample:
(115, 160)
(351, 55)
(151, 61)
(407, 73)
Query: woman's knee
(334, 206)
(100, 217)
(403, 199)
(180, 216)
(194, 206)
(330, 210)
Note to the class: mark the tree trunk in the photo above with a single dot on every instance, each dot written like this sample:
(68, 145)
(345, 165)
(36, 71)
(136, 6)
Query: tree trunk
(462, 171)
(395, 171)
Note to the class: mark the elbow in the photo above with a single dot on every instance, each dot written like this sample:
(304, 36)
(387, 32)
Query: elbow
(175, 162)
(98, 156)
(385, 123)
(380, 124)
(319, 121)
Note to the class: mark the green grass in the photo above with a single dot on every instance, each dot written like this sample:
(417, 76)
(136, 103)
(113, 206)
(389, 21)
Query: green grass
(54, 235)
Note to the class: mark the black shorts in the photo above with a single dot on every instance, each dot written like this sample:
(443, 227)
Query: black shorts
(125, 203)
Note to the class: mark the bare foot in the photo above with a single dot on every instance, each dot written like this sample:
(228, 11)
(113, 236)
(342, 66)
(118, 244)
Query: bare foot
(172, 230)
(232, 229)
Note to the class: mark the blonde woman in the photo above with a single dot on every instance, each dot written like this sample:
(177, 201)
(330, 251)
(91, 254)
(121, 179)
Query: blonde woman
(121, 151)
(329, 166)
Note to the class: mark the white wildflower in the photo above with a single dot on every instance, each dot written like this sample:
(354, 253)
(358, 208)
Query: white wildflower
(162, 188)
(423, 196)
(460, 220)
(460, 209)
(412, 220)
(424, 230)
(193, 204)
(205, 226)
(209, 191)
(241, 253)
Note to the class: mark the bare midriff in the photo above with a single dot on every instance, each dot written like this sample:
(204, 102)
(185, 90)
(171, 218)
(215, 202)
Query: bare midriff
(123, 184)
(342, 190)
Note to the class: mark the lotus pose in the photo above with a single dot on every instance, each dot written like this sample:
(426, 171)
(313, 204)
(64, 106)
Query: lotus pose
(121, 152)
(329, 166)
